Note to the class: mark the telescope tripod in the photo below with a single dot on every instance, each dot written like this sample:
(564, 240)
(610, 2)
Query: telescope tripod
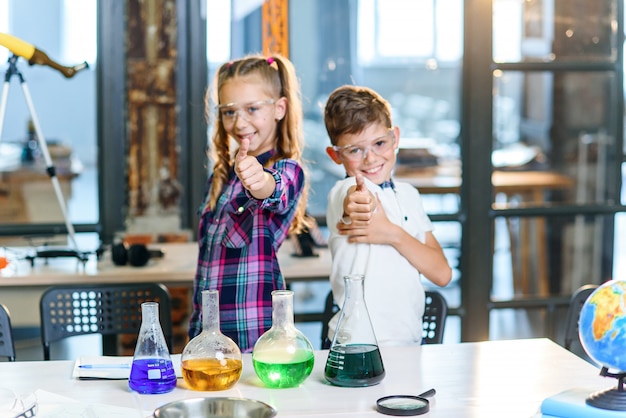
(50, 168)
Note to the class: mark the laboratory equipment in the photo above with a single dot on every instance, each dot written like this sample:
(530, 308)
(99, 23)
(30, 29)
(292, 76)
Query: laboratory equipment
(211, 360)
(152, 370)
(354, 358)
(230, 407)
(405, 405)
(283, 356)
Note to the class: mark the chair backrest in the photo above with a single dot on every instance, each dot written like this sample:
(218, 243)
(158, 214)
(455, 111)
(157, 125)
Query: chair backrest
(107, 309)
(572, 341)
(7, 346)
(434, 319)
(330, 309)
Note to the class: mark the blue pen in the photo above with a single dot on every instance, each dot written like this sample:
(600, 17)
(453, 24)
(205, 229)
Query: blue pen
(104, 366)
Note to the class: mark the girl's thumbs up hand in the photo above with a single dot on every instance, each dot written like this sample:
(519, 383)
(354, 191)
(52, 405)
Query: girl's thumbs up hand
(242, 153)
(251, 172)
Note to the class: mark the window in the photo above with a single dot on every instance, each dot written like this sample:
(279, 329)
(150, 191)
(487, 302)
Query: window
(408, 30)
(218, 27)
(79, 31)
(66, 112)
(4, 27)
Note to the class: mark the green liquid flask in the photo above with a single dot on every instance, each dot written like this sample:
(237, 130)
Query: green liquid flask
(283, 356)
(211, 360)
(354, 358)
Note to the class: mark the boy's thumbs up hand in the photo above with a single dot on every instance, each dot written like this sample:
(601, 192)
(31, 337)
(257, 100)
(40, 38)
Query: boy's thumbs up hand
(360, 183)
(359, 203)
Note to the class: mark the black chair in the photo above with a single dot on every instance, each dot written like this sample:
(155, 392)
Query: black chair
(572, 340)
(7, 346)
(330, 309)
(107, 309)
(434, 319)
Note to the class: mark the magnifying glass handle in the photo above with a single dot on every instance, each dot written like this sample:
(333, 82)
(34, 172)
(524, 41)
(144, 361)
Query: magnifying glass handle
(429, 393)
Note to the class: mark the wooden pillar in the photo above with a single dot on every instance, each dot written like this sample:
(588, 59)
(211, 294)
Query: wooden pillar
(275, 23)
(152, 155)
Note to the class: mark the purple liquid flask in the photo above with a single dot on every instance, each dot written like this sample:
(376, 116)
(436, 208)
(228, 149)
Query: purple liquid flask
(152, 370)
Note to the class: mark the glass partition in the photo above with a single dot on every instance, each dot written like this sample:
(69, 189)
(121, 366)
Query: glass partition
(416, 67)
(408, 51)
(542, 255)
(554, 92)
(65, 109)
(554, 136)
(554, 31)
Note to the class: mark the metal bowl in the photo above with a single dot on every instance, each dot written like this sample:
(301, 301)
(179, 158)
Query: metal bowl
(215, 408)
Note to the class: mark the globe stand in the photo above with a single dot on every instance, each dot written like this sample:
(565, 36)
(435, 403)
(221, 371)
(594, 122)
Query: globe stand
(614, 398)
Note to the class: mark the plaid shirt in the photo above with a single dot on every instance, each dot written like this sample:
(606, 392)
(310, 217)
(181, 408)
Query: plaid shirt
(238, 242)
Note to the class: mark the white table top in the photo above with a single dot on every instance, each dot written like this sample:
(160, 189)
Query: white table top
(177, 267)
(488, 379)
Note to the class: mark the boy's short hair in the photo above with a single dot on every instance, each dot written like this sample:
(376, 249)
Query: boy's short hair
(351, 109)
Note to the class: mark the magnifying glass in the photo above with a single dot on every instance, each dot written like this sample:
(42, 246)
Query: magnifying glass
(405, 405)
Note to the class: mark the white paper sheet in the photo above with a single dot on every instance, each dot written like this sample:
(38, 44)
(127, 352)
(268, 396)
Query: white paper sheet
(111, 367)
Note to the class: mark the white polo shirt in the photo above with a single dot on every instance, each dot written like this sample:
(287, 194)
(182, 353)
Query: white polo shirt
(393, 290)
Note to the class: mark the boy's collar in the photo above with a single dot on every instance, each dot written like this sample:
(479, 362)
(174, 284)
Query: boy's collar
(387, 183)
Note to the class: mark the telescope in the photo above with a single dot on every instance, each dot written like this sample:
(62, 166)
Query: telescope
(23, 49)
(37, 56)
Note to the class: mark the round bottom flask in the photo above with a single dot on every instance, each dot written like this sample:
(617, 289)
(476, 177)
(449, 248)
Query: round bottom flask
(211, 360)
(283, 356)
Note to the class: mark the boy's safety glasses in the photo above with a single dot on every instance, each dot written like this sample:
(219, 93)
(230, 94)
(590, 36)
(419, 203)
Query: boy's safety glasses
(378, 146)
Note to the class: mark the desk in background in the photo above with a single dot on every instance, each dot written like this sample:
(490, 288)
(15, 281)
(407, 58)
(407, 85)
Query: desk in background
(530, 186)
(21, 285)
(487, 379)
(26, 191)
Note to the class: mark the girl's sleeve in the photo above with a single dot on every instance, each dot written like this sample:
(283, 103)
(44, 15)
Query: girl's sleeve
(289, 177)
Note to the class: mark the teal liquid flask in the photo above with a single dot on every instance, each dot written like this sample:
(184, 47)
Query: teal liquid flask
(354, 358)
(152, 370)
(283, 356)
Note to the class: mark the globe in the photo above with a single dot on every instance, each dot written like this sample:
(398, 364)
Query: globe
(602, 325)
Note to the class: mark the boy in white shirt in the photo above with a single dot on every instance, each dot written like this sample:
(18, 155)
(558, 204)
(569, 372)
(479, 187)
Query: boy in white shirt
(378, 228)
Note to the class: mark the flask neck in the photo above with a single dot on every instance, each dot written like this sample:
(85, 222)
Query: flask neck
(282, 308)
(151, 341)
(354, 290)
(149, 313)
(210, 311)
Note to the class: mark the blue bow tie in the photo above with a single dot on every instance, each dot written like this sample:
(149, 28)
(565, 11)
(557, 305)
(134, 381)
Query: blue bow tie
(388, 183)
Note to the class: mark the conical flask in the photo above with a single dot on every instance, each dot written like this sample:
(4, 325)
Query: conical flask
(211, 360)
(354, 358)
(283, 356)
(152, 370)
